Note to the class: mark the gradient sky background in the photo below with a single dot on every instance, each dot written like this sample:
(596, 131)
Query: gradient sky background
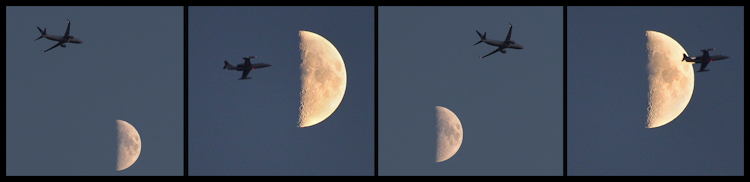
(61, 105)
(249, 127)
(608, 93)
(510, 105)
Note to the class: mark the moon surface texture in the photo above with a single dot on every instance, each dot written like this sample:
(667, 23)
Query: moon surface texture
(323, 79)
(450, 134)
(129, 145)
(671, 81)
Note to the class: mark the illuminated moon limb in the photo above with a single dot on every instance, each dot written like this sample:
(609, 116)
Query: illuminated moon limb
(450, 134)
(129, 145)
(323, 79)
(671, 81)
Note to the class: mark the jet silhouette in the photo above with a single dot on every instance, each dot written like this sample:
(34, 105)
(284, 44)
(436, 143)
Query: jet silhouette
(61, 40)
(245, 67)
(704, 60)
(501, 45)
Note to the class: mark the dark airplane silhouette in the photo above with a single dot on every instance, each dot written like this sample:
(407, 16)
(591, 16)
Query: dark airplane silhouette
(704, 60)
(61, 40)
(501, 45)
(245, 67)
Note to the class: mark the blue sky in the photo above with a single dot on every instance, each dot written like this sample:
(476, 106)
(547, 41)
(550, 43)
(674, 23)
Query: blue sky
(510, 105)
(608, 93)
(61, 105)
(249, 127)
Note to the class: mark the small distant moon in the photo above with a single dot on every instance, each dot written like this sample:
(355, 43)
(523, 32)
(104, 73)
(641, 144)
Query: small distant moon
(129, 145)
(671, 81)
(450, 134)
(323, 79)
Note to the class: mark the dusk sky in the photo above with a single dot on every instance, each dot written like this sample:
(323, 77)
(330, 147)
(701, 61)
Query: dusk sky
(249, 127)
(510, 105)
(61, 105)
(608, 93)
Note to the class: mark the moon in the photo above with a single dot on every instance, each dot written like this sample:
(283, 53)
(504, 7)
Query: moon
(323, 79)
(450, 134)
(671, 81)
(129, 145)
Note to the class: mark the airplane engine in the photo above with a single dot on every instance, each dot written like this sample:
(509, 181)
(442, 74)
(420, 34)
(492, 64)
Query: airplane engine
(63, 45)
(502, 50)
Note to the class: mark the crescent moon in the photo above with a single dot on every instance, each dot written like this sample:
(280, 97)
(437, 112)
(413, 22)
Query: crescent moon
(129, 145)
(671, 81)
(450, 134)
(323, 79)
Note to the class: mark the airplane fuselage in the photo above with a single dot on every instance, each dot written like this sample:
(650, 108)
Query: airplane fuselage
(242, 67)
(61, 39)
(704, 60)
(245, 67)
(494, 43)
(502, 44)
(710, 59)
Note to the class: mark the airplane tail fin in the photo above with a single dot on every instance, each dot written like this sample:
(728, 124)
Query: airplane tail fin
(43, 33)
(481, 36)
(685, 57)
(228, 66)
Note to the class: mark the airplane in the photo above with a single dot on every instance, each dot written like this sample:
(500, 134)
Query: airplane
(245, 67)
(61, 40)
(704, 60)
(500, 44)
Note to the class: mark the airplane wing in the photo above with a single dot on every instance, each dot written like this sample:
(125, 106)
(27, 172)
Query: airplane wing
(244, 74)
(493, 52)
(511, 29)
(703, 66)
(247, 62)
(705, 55)
(67, 31)
(58, 44)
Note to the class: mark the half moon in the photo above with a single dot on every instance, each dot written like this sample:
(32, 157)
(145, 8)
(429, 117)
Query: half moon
(671, 81)
(450, 134)
(129, 145)
(323, 79)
